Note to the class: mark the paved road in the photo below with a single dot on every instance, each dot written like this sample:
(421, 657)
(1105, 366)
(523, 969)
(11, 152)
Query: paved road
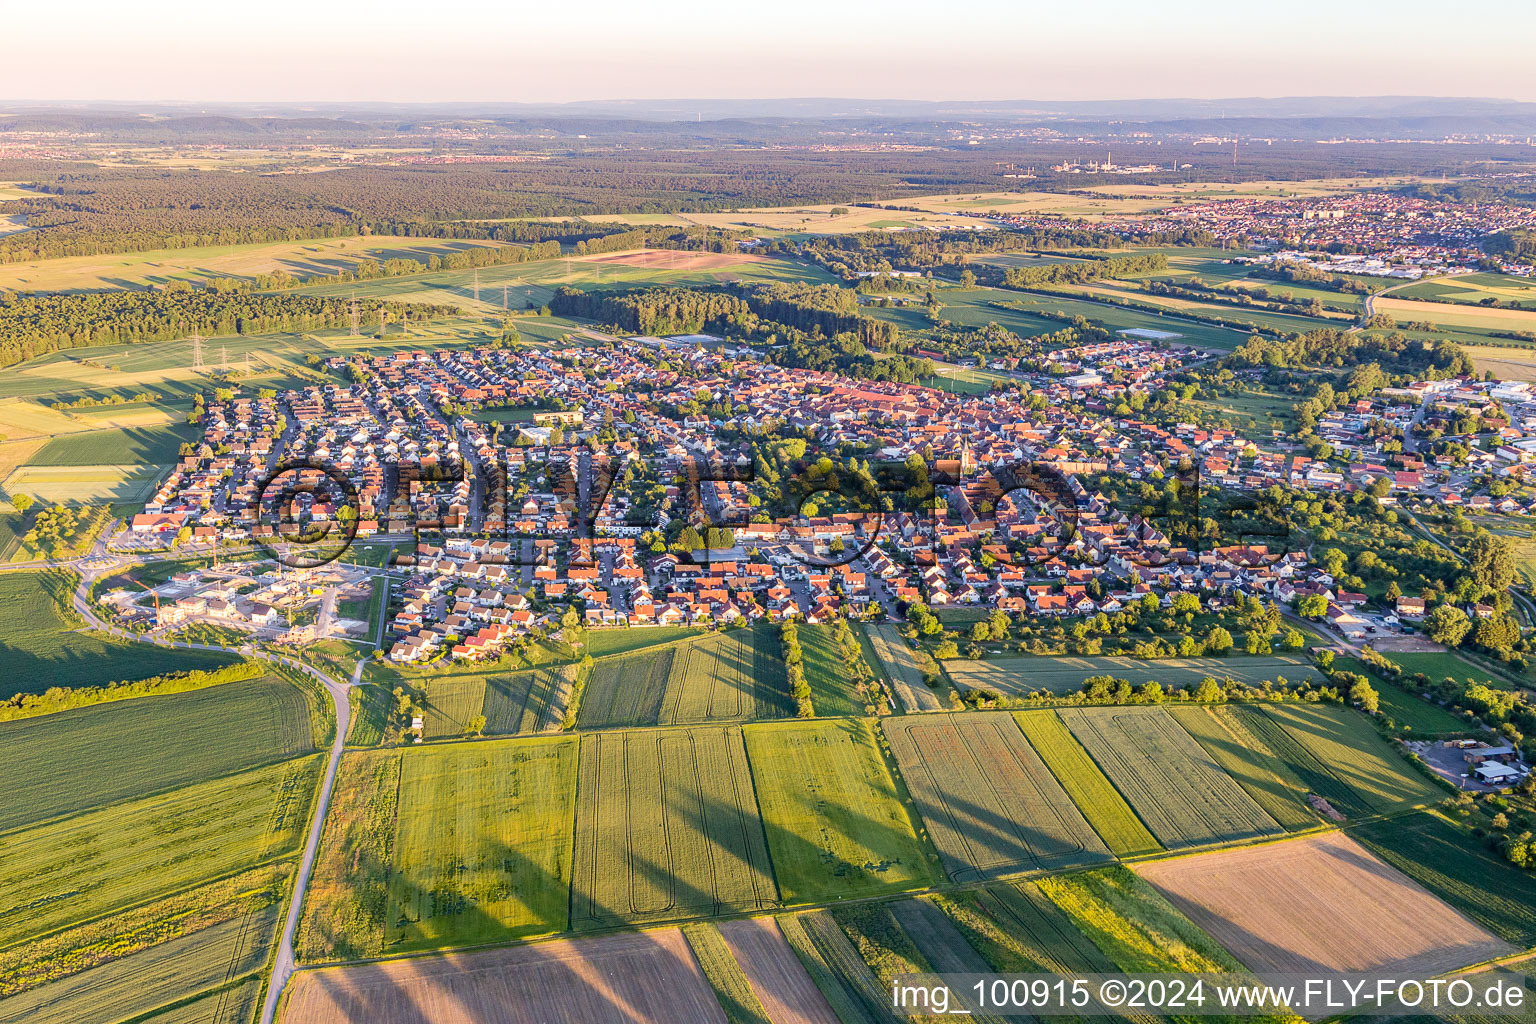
(282, 969)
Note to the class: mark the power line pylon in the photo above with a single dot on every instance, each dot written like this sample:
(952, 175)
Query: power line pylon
(224, 358)
(197, 353)
(353, 311)
(477, 286)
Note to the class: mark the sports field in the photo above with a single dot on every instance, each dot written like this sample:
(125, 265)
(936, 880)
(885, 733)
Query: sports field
(1460, 869)
(482, 845)
(178, 739)
(899, 665)
(835, 825)
(610, 979)
(41, 647)
(1059, 675)
(1174, 785)
(1103, 806)
(735, 676)
(1320, 903)
(105, 860)
(991, 805)
(667, 827)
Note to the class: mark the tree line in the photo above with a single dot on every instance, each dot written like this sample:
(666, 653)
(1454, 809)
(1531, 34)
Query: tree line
(33, 325)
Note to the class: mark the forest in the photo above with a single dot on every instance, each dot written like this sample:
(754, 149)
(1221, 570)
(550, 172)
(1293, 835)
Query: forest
(33, 325)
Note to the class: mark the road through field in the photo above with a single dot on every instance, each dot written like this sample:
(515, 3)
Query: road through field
(282, 968)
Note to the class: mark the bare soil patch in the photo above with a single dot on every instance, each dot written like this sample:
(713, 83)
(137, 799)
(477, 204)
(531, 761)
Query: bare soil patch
(615, 979)
(1323, 903)
(777, 977)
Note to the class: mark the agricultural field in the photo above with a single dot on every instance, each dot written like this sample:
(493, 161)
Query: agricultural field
(897, 662)
(1472, 289)
(482, 845)
(1458, 317)
(832, 693)
(610, 979)
(1060, 675)
(105, 860)
(1460, 869)
(151, 268)
(1410, 712)
(40, 647)
(991, 805)
(1350, 750)
(255, 721)
(725, 976)
(1506, 362)
(1271, 782)
(1320, 903)
(156, 977)
(1133, 924)
(1102, 804)
(836, 968)
(778, 979)
(512, 702)
(1116, 318)
(85, 485)
(494, 290)
(1018, 930)
(604, 642)
(735, 676)
(119, 446)
(836, 826)
(667, 827)
(1174, 785)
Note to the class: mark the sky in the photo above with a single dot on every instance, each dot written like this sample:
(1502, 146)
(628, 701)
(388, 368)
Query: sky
(517, 51)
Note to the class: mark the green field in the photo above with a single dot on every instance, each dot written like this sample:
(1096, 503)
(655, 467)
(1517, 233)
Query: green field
(132, 748)
(1410, 712)
(1473, 289)
(1460, 869)
(536, 283)
(991, 805)
(1352, 752)
(1060, 675)
(1174, 785)
(832, 693)
(105, 860)
(1133, 924)
(1017, 930)
(512, 702)
(667, 827)
(482, 846)
(836, 967)
(725, 975)
(158, 977)
(1103, 806)
(40, 647)
(126, 446)
(830, 808)
(1263, 775)
(603, 642)
(736, 676)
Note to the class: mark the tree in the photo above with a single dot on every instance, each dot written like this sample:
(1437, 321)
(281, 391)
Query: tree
(21, 502)
(1448, 625)
(1313, 606)
(476, 726)
(967, 278)
(1363, 693)
(1491, 562)
(1218, 640)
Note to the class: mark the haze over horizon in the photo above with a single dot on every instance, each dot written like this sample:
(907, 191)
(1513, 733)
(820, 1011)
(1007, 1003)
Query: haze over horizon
(478, 51)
